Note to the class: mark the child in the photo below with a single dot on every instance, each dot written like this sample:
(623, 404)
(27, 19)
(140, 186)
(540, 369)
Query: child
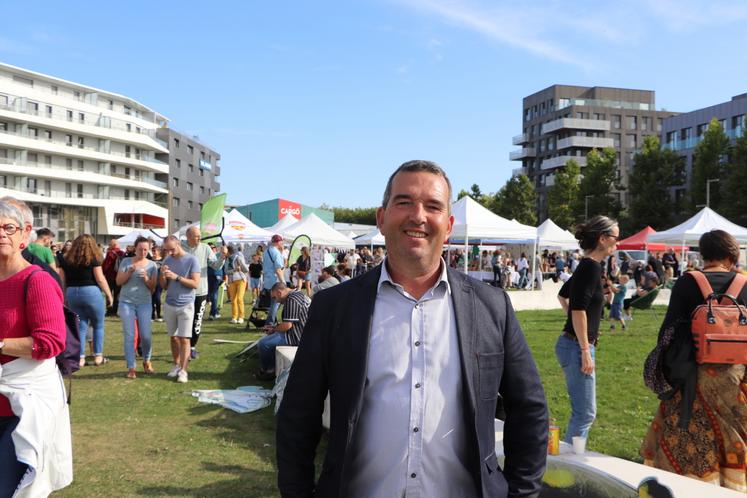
(617, 303)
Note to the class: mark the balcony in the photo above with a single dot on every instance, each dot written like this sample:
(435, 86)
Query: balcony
(518, 155)
(586, 142)
(576, 124)
(520, 139)
(559, 161)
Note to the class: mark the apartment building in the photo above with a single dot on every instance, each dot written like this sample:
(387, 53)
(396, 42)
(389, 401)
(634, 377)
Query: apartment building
(683, 132)
(84, 159)
(193, 175)
(565, 122)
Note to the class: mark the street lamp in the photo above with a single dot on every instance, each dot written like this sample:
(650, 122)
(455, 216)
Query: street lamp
(708, 190)
(586, 206)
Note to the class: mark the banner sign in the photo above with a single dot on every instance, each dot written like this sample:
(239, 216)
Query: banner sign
(211, 216)
(288, 208)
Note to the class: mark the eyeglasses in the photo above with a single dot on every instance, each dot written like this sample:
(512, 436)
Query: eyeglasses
(616, 237)
(10, 228)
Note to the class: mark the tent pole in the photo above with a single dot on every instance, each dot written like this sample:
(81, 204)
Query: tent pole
(534, 264)
(466, 253)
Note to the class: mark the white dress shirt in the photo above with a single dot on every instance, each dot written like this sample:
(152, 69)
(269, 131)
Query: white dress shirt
(411, 438)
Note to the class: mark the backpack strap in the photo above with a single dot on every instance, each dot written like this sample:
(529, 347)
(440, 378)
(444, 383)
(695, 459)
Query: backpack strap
(703, 284)
(737, 284)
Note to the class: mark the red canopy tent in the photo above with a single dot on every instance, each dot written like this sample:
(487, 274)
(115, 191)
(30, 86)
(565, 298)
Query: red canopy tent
(639, 242)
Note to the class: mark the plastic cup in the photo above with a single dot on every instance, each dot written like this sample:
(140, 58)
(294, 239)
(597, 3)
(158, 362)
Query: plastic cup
(579, 445)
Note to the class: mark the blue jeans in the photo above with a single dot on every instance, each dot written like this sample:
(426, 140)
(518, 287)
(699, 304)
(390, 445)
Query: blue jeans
(582, 388)
(12, 469)
(272, 313)
(523, 280)
(129, 313)
(88, 303)
(267, 347)
(213, 286)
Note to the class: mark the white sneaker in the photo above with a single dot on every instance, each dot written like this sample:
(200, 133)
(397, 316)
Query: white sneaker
(240, 321)
(174, 371)
(182, 377)
(217, 316)
(233, 320)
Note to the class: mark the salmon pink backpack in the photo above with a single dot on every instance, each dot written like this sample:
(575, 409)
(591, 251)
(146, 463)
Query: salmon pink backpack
(719, 325)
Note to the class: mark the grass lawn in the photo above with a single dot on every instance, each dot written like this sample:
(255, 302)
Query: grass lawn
(149, 437)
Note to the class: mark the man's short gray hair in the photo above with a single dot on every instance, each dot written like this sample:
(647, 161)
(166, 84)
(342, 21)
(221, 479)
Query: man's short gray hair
(416, 166)
(278, 287)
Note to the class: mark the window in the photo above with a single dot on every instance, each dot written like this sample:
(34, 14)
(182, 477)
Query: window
(191, 168)
(177, 223)
(599, 116)
(631, 141)
(178, 163)
(47, 159)
(202, 189)
(81, 165)
(3, 181)
(700, 129)
(127, 151)
(686, 133)
(48, 134)
(616, 121)
(127, 110)
(33, 132)
(31, 157)
(69, 140)
(81, 142)
(200, 206)
(77, 94)
(81, 117)
(176, 143)
(22, 80)
(737, 124)
(69, 163)
(644, 123)
(31, 185)
(127, 194)
(175, 202)
(129, 127)
(69, 114)
(722, 123)
(54, 89)
(175, 182)
(190, 186)
(202, 171)
(111, 105)
(68, 190)
(632, 122)
(191, 149)
(49, 111)
(189, 204)
(616, 139)
(659, 124)
(80, 191)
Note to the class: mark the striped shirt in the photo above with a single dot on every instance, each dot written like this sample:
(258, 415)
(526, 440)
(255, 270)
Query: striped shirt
(295, 311)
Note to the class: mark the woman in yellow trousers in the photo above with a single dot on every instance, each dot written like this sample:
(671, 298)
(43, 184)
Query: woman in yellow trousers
(237, 272)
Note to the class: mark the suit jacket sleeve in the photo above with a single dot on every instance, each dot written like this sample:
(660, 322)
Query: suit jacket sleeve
(299, 419)
(526, 425)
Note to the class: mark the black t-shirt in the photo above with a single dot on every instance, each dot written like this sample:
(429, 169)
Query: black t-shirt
(586, 294)
(303, 264)
(79, 276)
(255, 270)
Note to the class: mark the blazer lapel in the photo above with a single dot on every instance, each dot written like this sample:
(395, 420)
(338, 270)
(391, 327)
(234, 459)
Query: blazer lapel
(464, 311)
(363, 306)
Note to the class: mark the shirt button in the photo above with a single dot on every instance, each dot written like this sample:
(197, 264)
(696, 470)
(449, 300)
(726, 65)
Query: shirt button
(417, 343)
(417, 386)
(415, 429)
(413, 475)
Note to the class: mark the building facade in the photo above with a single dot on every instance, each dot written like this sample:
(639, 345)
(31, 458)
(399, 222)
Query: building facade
(267, 213)
(683, 132)
(84, 159)
(565, 122)
(193, 173)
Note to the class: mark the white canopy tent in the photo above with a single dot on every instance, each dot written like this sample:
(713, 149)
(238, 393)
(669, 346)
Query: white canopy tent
(282, 224)
(131, 237)
(551, 235)
(374, 238)
(239, 228)
(320, 233)
(688, 233)
(476, 222)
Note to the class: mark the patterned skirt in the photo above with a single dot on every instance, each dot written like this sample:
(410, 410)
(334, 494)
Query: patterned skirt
(712, 449)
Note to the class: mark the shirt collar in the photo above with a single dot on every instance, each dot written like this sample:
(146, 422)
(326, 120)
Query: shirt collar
(385, 277)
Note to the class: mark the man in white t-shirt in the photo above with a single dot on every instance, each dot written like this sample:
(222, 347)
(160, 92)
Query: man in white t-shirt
(351, 260)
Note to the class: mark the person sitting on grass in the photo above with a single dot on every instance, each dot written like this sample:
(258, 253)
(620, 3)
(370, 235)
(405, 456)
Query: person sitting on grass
(617, 302)
(288, 331)
(649, 283)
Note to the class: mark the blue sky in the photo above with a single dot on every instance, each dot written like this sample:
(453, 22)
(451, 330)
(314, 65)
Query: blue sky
(318, 102)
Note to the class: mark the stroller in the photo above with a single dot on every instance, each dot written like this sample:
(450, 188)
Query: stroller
(256, 320)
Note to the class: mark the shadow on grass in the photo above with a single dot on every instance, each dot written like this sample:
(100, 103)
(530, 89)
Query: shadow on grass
(246, 482)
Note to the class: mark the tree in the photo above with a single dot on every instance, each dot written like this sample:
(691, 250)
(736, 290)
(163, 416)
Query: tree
(595, 190)
(364, 216)
(563, 194)
(516, 200)
(734, 201)
(655, 171)
(709, 163)
(476, 194)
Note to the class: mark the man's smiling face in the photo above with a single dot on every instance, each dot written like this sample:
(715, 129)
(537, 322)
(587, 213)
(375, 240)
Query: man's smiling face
(416, 221)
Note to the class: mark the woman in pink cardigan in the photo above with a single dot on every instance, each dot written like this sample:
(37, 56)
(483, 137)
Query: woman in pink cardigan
(32, 395)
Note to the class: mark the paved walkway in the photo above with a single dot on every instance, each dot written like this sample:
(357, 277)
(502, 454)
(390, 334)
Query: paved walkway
(546, 299)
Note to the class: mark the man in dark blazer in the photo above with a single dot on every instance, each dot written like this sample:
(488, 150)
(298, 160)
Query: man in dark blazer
(418, 359)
